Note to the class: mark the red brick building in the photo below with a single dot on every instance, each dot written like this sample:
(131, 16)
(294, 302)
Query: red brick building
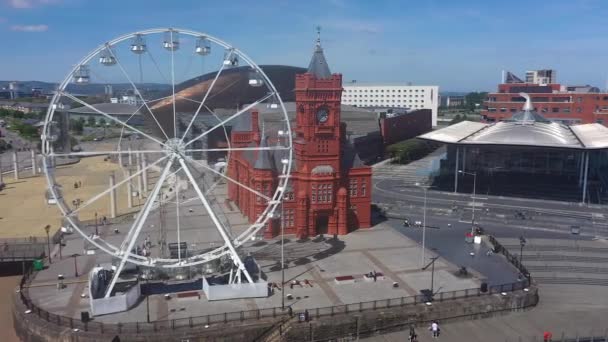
(568, 104)
(329, 191)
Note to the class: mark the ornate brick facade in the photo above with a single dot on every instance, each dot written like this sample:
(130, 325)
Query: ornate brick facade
(329, 190)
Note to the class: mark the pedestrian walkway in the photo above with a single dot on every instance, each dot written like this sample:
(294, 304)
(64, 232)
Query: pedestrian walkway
(415, 172)
(562, 309)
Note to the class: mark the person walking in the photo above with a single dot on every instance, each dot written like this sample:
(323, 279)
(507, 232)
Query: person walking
(412, 336)
(434, 328)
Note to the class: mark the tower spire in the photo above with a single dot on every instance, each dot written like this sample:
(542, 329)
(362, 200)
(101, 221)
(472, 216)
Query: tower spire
(318, 36)
(318, 65)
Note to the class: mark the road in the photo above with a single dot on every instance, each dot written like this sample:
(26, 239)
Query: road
(570, 268)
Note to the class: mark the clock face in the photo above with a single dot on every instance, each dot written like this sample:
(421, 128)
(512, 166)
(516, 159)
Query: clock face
(322, 115)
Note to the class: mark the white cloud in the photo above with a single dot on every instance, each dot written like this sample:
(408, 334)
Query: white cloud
(30, 3)
(29, 28)
(20, 3)
(360, 26)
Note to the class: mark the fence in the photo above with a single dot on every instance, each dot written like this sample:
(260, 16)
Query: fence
(275, 314)
(498, 248)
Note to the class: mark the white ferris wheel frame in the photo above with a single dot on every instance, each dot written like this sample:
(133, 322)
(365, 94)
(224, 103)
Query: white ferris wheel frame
(124, 251)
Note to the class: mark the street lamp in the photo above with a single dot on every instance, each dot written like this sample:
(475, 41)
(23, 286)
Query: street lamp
(423, 224)
(282, 223)
(47, 228)
(522, 243)
(474, 174)
(432, 264)
(148, 297)
(75, 255)
(96, 231)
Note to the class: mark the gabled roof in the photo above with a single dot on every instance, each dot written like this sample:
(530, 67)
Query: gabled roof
(318, 65)
(243, 123)
(263, 161)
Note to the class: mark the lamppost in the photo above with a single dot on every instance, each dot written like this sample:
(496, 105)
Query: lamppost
(47, 228)
(522, 243)
(75, 255)
(432, 264)
(148, 297)
(282, 223)
(423, 225)
(474, 174)
(96, 231)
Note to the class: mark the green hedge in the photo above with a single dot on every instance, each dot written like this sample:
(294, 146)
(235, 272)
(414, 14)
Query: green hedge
(409, 150)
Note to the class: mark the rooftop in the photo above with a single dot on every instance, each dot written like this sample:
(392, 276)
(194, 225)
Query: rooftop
(108, 108)
(526, 128)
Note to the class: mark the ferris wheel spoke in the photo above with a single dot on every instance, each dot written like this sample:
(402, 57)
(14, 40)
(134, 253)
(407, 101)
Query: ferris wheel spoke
(235, 256)
(228, 149)
(116, 186)
(221, 124)
(110, 117)
(230, 179)
(136, 90)
(160, 72)
(173, 88)
(98, 153)
(217, 75)
(131, 238)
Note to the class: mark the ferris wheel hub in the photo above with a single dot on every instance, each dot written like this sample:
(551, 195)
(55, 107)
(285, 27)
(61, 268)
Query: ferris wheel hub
(175, 146)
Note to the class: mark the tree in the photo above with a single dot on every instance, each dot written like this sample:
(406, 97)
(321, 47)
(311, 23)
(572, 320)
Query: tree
(102, 122)
(77, 126)
(475, 98)
(91, 121)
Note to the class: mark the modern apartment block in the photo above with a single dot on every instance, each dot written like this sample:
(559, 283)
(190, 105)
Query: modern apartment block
(395, 96)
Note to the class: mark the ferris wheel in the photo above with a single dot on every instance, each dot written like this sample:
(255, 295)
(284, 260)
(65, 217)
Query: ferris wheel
(153, 152)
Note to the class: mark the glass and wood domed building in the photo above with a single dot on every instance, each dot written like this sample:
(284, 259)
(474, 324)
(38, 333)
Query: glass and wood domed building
(525, 156)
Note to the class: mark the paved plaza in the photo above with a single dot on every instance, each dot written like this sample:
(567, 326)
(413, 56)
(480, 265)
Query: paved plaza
(316, 262)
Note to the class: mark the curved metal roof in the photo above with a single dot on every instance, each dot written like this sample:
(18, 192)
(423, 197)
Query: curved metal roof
(526, 128)
(514, 133)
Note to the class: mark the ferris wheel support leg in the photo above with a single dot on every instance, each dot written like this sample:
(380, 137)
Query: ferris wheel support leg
(132, 237)
(235, 256)
(112, 197)
(129, 190)
(139, 178)
(144, 174)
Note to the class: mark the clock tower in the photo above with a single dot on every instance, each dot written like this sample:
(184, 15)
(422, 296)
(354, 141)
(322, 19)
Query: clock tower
(330, 189)
(317, 133)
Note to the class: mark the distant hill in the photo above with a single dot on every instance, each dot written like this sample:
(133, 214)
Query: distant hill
(87, 89)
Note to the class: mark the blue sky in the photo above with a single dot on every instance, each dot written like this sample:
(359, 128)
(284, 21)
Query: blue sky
(459, 45)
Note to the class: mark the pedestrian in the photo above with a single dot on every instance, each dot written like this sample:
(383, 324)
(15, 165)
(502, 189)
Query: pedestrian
(547, 336)
(306, 317)
(375, 276)
(412, 336)
(434, 328)
(290, 311)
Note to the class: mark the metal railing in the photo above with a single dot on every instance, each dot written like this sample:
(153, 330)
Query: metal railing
(513, 260)
(274, 314)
